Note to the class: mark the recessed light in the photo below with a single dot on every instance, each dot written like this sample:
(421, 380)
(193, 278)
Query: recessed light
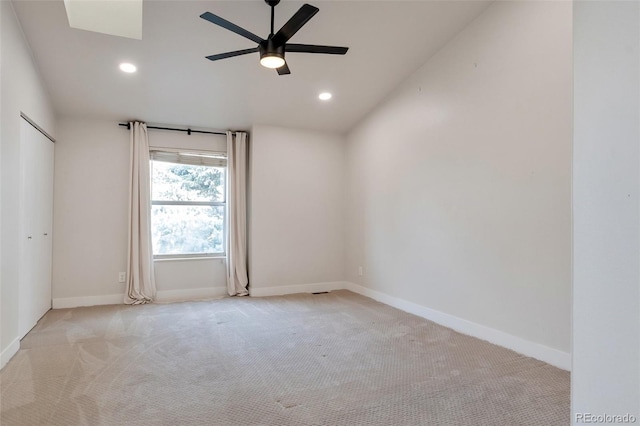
(127, 67)
(324, 96)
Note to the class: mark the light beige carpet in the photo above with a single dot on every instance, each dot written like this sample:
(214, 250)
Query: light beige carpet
(328, 359)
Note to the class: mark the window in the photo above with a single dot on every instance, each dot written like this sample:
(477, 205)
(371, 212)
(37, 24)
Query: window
(188, 205)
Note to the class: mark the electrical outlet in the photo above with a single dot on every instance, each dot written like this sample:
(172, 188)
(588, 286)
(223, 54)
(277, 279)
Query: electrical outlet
(360, 271)
(122, 277)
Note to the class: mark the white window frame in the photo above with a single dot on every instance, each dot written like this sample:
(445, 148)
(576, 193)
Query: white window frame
(194, 158)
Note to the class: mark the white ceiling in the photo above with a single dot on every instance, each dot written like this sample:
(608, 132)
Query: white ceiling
(176, 85)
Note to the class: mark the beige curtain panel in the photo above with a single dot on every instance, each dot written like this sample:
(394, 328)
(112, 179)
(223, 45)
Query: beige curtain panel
(237, 277)
(141, 286)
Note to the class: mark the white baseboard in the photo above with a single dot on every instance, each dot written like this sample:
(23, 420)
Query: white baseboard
(162, 296)
(525, 347)
(76, 302)
(300, 288)
(9, 352)
(165, 296)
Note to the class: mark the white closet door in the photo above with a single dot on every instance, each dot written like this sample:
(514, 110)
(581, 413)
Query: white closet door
(44, 227)
(36, 213)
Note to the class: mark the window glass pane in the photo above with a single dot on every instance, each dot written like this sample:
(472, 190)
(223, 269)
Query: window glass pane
(184, 182)
(187, 229)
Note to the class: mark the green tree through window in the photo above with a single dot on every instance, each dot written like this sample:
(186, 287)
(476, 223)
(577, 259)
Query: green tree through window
(188, 208)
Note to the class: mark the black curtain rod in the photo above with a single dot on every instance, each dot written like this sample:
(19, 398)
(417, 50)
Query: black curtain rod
(188, 131)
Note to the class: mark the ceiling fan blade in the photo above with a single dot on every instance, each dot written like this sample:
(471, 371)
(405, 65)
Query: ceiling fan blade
(214, 19)
(284, 70)
(312, 48)
(296, 22)
(231, 54)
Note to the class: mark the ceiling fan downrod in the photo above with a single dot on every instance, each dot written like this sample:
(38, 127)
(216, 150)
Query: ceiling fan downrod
(272, 4)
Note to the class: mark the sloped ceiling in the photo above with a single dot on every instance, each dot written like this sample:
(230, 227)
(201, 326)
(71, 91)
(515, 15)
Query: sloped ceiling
(175, 84)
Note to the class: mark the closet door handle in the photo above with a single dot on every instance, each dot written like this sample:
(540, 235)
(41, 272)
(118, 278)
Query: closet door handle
(29, 237)
(45, 234)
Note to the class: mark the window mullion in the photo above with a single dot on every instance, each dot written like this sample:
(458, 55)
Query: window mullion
(187, 203)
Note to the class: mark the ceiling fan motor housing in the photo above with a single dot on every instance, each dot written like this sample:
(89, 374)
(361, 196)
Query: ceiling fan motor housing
(269, 48)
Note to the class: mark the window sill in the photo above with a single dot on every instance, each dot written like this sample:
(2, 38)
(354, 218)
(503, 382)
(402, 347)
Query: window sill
(181, 258)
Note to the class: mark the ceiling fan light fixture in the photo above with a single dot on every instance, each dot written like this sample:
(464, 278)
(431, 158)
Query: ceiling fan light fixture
(272, 61)
(271, 55)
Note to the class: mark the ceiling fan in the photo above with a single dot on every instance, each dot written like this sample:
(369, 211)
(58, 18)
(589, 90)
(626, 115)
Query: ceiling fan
(273, 48)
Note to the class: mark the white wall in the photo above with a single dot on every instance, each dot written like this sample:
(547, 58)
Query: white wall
(459, 192)
(90, 217)
(8, 353)
(297, 232)
(606, 289)
(90, 208)
(296, 220)
(21, 90)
